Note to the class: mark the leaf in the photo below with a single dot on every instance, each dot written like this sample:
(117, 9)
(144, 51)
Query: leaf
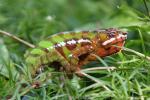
(7, 68)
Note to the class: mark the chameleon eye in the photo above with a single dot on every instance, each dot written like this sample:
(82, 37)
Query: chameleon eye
(112, 33)
(124, 33)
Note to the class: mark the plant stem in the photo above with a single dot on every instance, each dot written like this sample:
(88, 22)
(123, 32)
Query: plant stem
(133, 51)
(27, 90)
(137, 53)
(99, 68)
(17, 39)
(96, 80)
(147, 10)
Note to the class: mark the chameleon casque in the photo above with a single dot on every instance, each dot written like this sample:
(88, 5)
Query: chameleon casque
(68, 51)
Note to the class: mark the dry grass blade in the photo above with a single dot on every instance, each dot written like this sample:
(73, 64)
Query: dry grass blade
(99, 68)
(133, 51)
(18, 39)
(137, 53)
(95, 80)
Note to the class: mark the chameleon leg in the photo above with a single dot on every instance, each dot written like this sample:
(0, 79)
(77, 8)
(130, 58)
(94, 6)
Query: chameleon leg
(77, 54)
(88, 59)
(57, 57)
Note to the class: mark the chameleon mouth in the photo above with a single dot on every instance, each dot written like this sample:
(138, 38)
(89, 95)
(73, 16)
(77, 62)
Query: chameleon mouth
(120, 38)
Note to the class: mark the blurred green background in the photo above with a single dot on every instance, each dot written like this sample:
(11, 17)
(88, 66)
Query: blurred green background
(34, 20)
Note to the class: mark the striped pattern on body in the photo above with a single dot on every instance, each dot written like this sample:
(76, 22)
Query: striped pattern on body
(61, 47)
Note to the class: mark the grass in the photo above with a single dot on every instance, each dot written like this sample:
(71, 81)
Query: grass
(35, 20)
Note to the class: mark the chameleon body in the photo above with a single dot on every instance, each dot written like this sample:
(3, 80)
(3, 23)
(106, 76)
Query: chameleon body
(69, 51)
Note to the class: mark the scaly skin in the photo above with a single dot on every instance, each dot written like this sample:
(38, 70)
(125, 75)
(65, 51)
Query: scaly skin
(69, 51)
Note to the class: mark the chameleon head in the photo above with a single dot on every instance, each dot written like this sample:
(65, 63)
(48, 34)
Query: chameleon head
(111, 41)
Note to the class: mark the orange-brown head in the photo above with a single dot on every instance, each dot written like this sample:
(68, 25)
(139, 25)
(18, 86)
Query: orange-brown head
(110, 41)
